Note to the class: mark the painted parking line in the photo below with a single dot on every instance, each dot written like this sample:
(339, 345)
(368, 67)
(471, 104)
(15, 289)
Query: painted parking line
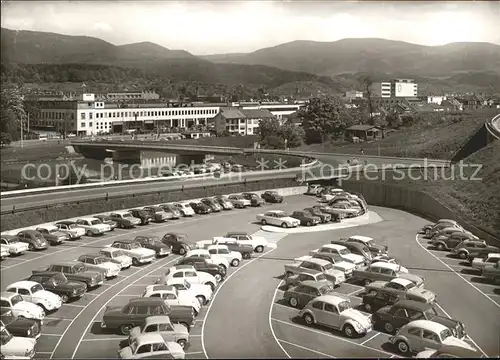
(273, 302)
(458, 274)
(56, 319)
(45, 334)
(73, 305)
(105, 339)
(364, 342)
(306, 348)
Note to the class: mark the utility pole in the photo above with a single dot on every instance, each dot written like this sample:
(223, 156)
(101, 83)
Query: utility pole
(22, 135)
(28, 123)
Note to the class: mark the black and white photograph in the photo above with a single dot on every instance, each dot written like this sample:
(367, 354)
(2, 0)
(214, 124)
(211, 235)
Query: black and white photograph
(249, 179)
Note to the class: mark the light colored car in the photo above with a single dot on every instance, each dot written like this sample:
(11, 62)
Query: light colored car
(203, 253)
(34, 293)
(172, 296)
(16, 347)
(491, 272)
(117, 256)
(259, 243)
(337, 313)
(13, 245)
(420, 335)
(449, 352)
(314, 189)
(346, 267)
(342, 251)
(399, 286)
(278, 218)
(4, 251)
(52, 234)
(157, 213)
(200, 291)
(71, 229)
(233, 257)
(479, 263)
(347, 209)
(151, 344)
(93, 226)
(239, 201)
(124, 219)
(313, 266)
(184, 208)
(189, 273)
(161, 324)
(101, 263)
(133, 249)
(21, 308)
(384, 271)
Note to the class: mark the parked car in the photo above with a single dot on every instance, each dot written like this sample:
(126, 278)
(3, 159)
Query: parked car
(335, 259)
(203, 253)
(469, 249)
(21, 307)
(212, 204)
(172, 296)
(184, 209)
(233, 257)
(20, 326)
(204, 265)
(157, 213)
(255, 200)
(200, 208)
(313, 189)
(201, 291)
(223, 202)
(377, 299)
(15, 347)
(420, 335)
(313, 266)
(102, 263)
(369, 242)
(358, 249)
(93, 226)
(106, 219)
(447, 231)
(337, 313)
(134, 249)
(152, 345)
(272, 197)
(239, 201)
(492, 272)
(450, 241)
(383, 271)
(315, 212)
(336, 214)
(176, 214)
(71, 229)
(60, 285)
(34, 293)
(405, 288)
(341, 251)
(117, 256)
(429, 233)
(479, 263)
(449, 352)
(52, 234)
(4, 252)
(391, 318)
(177, 242)
(278, 218)
(162, 325)
(190, 274)
(295, 279)
(141, 215)
(154, 243)
(246, 250)
(259, 243)
(347, 209)
(74, 271)
(124, 219)
(12, 245)
(384, 258)
(124, 318)
(34, 239)
(298, 296)
(305, 218)
(430, 226)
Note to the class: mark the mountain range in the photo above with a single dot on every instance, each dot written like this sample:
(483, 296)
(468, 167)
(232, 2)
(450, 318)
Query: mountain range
(327, 63)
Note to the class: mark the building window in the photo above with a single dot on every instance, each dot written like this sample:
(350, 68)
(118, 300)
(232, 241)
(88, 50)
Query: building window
(82, 124)
(90, 116)
(90, 124)
(82, 116)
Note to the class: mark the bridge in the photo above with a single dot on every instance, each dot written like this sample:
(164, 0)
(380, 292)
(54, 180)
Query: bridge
(484, 135)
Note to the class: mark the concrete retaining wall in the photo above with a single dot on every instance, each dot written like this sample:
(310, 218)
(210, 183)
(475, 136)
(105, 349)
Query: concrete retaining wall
(416, 202)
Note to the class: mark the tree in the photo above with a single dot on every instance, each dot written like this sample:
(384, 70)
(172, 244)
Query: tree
(273, 135)
(12, 111)
(323, 118)
(393, 119)
(5, 139)
(366, 84)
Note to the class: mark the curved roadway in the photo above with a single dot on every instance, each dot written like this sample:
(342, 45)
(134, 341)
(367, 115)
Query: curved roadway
(242, 319)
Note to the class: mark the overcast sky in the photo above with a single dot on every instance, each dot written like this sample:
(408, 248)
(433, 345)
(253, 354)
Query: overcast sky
(210, 27)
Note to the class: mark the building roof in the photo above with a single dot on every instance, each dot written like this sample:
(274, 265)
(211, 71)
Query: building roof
(257, 113)
(232, 113)
(362, 127)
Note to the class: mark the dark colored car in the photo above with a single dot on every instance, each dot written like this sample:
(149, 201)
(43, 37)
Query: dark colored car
(219, 272)
(245, 250)
(336, 214)
(449, 242)
(124, 219)
(307, 290)
(52, 234)
(177, 242)
(176, 214)
(154, 243)
(20, 326)
(272, 197)
(226, 204)
(305, 218)
(391, 318)
(125, 318)
(212, 204)
(60, 285)
(105, 219)
(316, 212)
(74, 271)
(255, 200)
(157, 213)
(375, 249)
(142, 215)
(469, 249)
(34, 239)
(358, 249)
(375, 300)
(200, 208)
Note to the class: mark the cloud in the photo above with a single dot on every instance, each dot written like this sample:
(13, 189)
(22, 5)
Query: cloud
(102, 27)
